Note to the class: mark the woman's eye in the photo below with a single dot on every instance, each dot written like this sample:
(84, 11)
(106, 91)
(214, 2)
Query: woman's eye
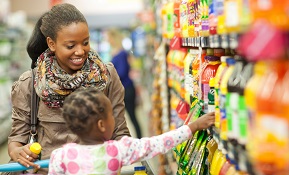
(69, 47)
(86, 43)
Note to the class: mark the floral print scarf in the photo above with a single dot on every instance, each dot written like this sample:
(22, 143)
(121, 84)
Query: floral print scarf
(52, 84)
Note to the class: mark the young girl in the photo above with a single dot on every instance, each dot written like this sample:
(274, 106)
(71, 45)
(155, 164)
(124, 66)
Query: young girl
(88, 114)
(62, 61)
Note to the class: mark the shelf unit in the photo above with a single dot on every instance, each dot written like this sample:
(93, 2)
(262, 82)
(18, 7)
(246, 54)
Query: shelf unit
(13, 61)
(226, 41)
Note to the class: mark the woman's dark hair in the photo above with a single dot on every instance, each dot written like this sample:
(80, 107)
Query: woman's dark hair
(83, 107)
(48, 25)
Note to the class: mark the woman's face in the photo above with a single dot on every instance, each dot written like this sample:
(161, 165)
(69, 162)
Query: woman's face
(71, 46)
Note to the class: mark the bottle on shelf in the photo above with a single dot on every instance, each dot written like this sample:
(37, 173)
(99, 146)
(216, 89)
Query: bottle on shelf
(273, 11)
(191, 17)
(222, 160)
(219, 52)
(231, 170)
(204, 18)
(232, 98)
(232, 108)
(167, 15)
(223, 93)
(220, 72)
(209, 71)
(225, 168)
(219, 8)
(232, 12)
(170, 66)
(197, 17)
(192, 73)
(215, 161)
(189, 58)
(211, 95)
(241, 136)
(212, 18)
(196, 72)
(246, 16)
(252, 87)
(177, 26)
(270, 150)
(184, 15)
(211, 147)
(140, 170)
(244, 117)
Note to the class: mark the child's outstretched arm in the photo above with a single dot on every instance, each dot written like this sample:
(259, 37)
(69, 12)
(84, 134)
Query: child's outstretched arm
(134, 150)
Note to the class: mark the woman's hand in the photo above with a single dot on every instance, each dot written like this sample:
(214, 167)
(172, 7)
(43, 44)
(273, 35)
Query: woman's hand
(23, 155)
(203, 122)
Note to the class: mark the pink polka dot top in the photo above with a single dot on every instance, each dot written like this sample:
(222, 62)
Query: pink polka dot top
(109, 157)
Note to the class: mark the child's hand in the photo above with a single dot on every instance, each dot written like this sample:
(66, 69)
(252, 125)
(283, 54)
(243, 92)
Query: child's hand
(203, 122)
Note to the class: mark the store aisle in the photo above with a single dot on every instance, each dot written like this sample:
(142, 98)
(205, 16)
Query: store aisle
(143, 110)
(142, 113)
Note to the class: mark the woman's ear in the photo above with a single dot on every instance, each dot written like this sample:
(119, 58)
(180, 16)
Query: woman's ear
(51, 44)
(100, 125)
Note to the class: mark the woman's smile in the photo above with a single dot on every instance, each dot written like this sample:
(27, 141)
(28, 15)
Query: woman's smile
(77, 61)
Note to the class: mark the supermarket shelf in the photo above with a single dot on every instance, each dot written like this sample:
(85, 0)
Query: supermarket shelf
(236, 152)
(226, 41)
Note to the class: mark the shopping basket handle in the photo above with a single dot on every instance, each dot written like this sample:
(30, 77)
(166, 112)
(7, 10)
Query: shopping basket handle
(11, 167)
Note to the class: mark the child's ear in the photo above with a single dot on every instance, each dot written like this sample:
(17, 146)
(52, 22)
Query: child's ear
(100, 125)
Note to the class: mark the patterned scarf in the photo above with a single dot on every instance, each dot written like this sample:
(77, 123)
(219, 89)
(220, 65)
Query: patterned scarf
(53, 84)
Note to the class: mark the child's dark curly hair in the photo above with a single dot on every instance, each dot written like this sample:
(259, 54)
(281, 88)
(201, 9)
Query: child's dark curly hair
(82, 108)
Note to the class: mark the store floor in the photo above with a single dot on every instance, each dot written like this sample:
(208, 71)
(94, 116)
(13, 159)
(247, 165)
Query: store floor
(143, 118)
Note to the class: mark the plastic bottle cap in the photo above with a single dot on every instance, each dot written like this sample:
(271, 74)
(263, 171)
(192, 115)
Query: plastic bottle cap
(139, 168)
(238, 57)
(212, 58)
(228, 52)
(230, 61)
(219, 51)
(260, 67)
(212, 82)
(194, 51)
(224, 58)
(35, 148)
(210, 51)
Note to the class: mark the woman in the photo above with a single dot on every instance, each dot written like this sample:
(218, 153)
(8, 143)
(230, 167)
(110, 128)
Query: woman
(62, 61)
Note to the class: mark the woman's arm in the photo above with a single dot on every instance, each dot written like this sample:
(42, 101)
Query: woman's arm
(115, 92)
(20, 97)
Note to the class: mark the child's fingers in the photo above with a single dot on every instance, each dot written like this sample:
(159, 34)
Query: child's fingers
(211, 113)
